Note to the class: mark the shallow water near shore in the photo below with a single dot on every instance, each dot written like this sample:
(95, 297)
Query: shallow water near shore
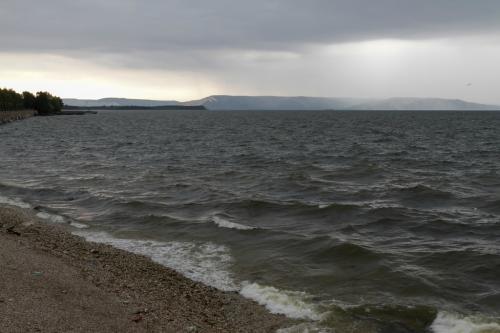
(358, 221)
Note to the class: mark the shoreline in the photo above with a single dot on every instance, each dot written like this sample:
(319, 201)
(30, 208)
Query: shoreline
(53, 280)
(10, 116)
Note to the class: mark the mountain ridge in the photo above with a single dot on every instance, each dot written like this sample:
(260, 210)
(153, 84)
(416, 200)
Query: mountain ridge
(232, 102)
(424, 104)
(115, 102)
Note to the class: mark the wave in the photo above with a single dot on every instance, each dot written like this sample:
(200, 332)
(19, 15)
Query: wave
(54, 218)
(453, 323)
(425, 192)
(207, 263)
(50, 217)
(492, 206)
(306, 328)
(78, 225)
(40, 194)
(347, 252)
(139, 204)
(14, 202)
(363, 318)
(338, 207)
(291, 207)
(380, 318)
(224, 223)
(293, 304)
(59, 219)
(356, 171)
(367, 319)
(7, 185)
(441, 226)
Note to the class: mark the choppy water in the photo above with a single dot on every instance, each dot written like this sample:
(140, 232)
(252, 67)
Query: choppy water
(360, 221)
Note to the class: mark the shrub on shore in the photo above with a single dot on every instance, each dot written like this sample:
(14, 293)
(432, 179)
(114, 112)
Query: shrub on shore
(46, 103)
(10, 100)
(29, 100)
(43, 102)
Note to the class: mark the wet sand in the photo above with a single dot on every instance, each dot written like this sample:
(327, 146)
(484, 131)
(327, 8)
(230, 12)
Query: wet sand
(53, 281)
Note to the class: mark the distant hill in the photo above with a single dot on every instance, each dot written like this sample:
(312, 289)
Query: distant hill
(402, 103)
(133, 107)
(227, 102)
(116, 102)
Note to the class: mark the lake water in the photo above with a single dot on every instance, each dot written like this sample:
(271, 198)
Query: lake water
(359, 221)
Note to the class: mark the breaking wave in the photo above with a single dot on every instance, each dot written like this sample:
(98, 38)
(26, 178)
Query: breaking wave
(453, 323)
(224, 223)
(207, 262)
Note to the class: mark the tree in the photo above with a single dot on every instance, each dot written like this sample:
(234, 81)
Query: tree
(29, 100)
(10, 100)
(57, 103)
(45, 103)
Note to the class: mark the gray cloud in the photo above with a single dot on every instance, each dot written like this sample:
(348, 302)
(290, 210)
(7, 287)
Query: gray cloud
(173, 25)
(281, 47)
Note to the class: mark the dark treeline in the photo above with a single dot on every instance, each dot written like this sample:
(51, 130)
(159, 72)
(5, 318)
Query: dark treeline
(43, 102)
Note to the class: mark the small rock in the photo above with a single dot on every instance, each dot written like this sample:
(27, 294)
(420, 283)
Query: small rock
(137, 318)
(11, 230)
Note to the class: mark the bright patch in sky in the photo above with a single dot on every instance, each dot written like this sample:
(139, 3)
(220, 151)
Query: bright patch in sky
(173, 49)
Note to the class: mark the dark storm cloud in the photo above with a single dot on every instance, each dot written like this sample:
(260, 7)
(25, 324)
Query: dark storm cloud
(184, 25)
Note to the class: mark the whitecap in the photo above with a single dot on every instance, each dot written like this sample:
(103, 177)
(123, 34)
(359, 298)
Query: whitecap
(223, 223)
(293, 304)
(51, 217)
(14, 202)
(453, 323)
(78, 225)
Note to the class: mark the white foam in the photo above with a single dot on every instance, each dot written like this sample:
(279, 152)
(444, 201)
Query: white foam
(293, 304)
(453, 323)
(14, 202)
(78, 225)
(207, 263)
(54, 218)
(223, 223)
(51, 217)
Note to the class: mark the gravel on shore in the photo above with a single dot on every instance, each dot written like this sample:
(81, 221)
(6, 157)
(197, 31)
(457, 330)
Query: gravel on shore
(53, 281)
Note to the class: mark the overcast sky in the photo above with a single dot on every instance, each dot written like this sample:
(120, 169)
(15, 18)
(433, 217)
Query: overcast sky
(188, 49)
